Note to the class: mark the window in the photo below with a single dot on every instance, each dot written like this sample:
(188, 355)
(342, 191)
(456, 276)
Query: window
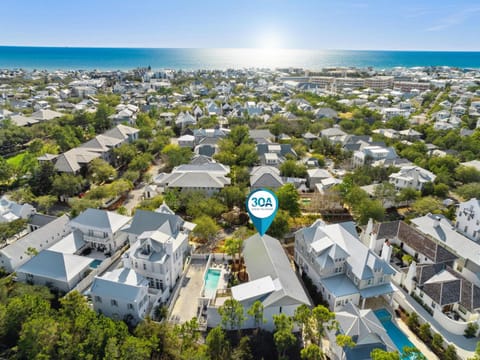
(144, 266)
(466, 228)
(98, 299)
(129, 306)
(280, 309)
(136, 265)
(114, 302)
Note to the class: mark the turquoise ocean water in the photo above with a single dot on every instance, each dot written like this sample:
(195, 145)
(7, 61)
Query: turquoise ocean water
(53, 58)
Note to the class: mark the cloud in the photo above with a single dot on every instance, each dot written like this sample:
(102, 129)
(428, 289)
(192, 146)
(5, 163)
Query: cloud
(455, 19)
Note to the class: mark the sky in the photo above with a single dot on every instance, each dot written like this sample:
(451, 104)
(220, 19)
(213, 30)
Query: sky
(298, 24)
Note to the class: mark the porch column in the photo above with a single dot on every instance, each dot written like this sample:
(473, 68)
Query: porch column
(390, 302)
(363, 303)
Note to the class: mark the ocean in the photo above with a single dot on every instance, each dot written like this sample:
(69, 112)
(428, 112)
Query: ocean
(66, 58)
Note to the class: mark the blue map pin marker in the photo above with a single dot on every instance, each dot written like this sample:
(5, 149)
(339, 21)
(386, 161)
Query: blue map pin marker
(262, 206)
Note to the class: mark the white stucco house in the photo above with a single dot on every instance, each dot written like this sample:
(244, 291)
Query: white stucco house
(120, 294)
(468, 219)
(271, 280)
(101, 229)
(341, 266)
(413, 177)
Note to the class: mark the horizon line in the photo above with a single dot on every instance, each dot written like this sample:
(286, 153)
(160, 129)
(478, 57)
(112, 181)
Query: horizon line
(226, 48)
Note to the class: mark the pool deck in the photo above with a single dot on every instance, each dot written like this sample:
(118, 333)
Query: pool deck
(415, 340)
(186, 306)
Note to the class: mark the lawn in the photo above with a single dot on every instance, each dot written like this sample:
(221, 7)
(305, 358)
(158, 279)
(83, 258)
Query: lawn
(16, 160)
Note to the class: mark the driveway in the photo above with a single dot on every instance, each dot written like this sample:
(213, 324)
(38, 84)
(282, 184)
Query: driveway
(136, 195)
(186, 306)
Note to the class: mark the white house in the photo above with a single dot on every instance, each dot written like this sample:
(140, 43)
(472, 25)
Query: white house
(411, 177)
(101, 229)
(341, 266)
(468, 219)
(209, 178)
(55, 270)
(120, 294)
(365, 329)
(271, 280)
(159, 247)
(10, 210)
(18, 253)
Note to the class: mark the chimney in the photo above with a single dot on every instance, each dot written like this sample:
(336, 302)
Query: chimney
(436, 222)
(373, 241)
(411, 275)
(386, 251)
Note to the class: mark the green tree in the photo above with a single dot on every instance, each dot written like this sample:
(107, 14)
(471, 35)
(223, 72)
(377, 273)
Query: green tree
(280, 225)
(233, 247)
(437, 342)
(311, 352)
(450, 353)
(243, 350)
(408, 195)
(379, 354)
(124, 154)
(206, 228)
(141, 162)
(288, 199)
(217, 345)
(20, 310)
(232, 314)
(344, 341)
(100, 171)
(38, 338)
(134, 348)
(188, 333)
(256, 312)
(424, 332)
(6, 170)
(303, 318)
(412, 321)
(385, 193)
(467, 174)
(42, 179)
(45, 202)
(469, 191)
(174, 155)
(324, 321)
(427, 204)
(290, 168)
(67, 185)
(232, 196)
(283, 337)
(471, 330)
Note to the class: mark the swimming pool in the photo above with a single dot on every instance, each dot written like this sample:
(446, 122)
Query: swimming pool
(211, 282)
(398, 337)
(94, 264)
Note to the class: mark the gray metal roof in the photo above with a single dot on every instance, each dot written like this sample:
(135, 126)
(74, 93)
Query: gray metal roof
(264, 256)
(149, 220)
(55, 265)
(122, 283)
(101, 219)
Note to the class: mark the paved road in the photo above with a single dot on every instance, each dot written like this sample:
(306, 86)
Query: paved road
(136, 195)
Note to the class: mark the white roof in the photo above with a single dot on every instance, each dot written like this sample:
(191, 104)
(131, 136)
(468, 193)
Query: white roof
(445, 234)
(101, 219)
(122, 283)
(253, 289)
(55, 265)
(70, 244)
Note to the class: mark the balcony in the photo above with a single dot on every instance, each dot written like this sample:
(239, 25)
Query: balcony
(97, 238)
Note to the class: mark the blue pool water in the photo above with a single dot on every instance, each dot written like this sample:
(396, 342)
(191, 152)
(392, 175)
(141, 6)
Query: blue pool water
(211, 282)
(94, 264)
(398, 337)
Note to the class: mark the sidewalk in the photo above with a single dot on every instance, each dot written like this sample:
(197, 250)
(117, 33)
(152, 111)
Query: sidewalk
(465, 347)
